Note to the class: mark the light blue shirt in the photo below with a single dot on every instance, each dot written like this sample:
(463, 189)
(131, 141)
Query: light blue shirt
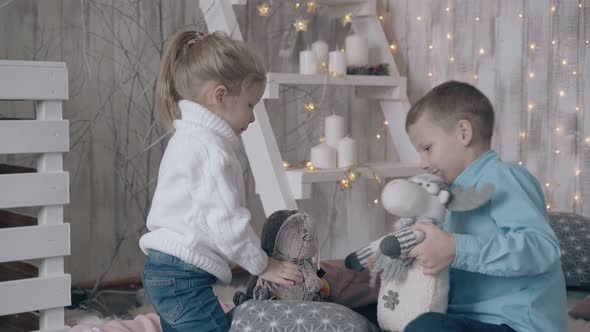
(507, 269)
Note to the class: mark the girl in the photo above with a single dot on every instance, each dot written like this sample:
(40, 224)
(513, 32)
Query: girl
(198, 225)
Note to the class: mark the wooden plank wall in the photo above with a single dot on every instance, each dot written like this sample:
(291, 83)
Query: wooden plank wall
(112, 53)
(530, 58)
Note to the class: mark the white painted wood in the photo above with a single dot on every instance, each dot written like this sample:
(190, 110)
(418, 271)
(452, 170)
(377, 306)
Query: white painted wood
(394, 111)
(22, 243)
(52, 216)
(585, 122)
(32, 80)
(374, 87)
(565, 116)
(220, 16)
(299, 178)
(266, 163)
(538, 133)
(509, 37)
(34, 294)
(31, 136)
(34, 189)
(339, 8)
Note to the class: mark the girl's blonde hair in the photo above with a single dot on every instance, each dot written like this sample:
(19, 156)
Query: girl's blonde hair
(192, 58)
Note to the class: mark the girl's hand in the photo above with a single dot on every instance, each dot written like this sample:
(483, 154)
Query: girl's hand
(282, 272)
(436, 252)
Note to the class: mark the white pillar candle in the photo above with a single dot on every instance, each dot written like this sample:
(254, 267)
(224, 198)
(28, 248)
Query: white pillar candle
(320, 49)
(308, 64)
(333, 130)
(357, 50)
(337, 64)
(347, 153)
(323, 156)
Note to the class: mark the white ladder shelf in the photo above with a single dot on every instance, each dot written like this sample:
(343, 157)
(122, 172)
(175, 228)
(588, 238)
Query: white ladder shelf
(280, 188)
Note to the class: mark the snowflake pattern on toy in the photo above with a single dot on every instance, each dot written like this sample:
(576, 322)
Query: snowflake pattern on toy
(573, 232)
(391, 300)
(262, 316)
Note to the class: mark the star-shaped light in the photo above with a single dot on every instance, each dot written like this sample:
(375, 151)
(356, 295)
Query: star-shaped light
(264, 9)
(312, 7)
(300, 24)
(347, 19)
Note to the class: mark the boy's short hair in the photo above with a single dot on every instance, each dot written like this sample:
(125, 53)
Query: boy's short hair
(452, 101)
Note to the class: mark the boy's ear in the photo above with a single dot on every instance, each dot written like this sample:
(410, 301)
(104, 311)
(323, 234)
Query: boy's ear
(465, 129)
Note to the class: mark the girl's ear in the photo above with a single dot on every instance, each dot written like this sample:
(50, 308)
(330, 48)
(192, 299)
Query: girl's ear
(465, 129)
(220, 92)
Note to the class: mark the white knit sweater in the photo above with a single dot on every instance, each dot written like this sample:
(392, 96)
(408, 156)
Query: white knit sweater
(198, 212)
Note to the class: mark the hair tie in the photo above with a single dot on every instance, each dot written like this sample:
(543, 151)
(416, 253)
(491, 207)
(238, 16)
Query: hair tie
(196, 38)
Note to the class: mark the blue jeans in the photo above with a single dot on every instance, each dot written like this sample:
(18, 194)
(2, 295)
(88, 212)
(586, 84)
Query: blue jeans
(434, 321)
(182, 294)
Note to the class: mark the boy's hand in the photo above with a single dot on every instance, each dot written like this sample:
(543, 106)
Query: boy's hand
(370, 263)
(282, 272)
(436, 252)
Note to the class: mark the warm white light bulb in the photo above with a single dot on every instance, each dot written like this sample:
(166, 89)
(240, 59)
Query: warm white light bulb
(531, 75)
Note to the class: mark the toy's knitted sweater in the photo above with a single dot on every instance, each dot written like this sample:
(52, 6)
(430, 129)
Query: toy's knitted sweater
(198, 212)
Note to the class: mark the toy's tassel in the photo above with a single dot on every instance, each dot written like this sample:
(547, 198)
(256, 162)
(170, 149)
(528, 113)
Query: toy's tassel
(389, 269)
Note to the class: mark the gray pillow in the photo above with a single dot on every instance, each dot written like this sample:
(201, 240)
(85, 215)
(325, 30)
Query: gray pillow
(573, 232)
(268, 315)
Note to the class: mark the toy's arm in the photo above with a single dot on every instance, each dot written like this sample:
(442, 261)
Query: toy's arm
(261, 290)
(313, 283)
(401, 242)
(241, 297)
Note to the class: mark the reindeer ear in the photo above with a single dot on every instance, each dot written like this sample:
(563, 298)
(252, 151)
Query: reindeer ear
(469, 199)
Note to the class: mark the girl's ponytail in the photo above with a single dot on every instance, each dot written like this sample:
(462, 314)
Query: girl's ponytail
(167, 96)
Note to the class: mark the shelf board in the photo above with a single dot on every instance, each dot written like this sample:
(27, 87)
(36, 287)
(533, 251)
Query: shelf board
(300, 179)
(367, 86)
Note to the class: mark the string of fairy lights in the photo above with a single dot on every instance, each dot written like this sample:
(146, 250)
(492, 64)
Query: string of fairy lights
(574, 68)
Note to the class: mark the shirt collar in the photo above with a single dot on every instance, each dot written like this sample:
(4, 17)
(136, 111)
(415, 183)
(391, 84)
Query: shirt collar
(472, 173)
(197, 114)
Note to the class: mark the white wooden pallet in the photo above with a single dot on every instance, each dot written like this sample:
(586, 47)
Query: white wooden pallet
(45, 83)
(280, 188)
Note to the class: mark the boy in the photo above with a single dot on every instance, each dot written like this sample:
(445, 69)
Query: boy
(505, 259)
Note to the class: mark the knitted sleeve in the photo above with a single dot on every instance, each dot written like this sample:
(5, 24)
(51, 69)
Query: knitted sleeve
(217, 189)
(525, 245)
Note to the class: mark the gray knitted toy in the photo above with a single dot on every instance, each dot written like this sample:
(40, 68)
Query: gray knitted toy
(287, 236)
